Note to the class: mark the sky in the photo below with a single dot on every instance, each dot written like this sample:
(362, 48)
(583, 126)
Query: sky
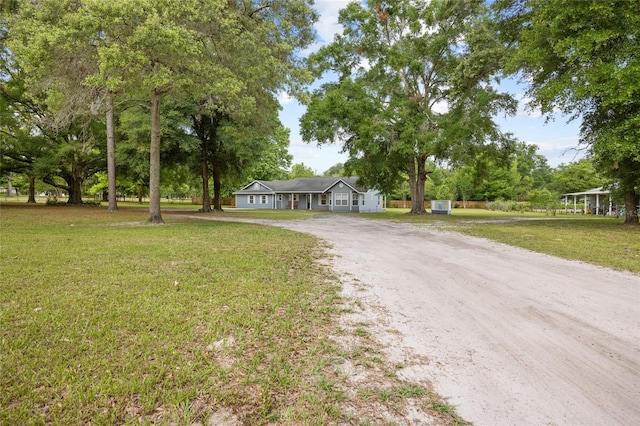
(557, 140)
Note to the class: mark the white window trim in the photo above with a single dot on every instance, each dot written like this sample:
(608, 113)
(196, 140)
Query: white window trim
(342, 199)
(251, 199)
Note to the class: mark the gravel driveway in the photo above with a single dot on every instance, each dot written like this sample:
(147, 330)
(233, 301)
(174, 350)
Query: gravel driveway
(509, 336)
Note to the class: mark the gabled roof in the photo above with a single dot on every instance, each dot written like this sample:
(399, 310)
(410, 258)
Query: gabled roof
(594, 191)
(304, 185)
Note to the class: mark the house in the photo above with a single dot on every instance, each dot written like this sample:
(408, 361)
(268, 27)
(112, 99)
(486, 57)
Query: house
(336, 194)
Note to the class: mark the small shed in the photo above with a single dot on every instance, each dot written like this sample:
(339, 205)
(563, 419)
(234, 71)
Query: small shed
(441, 207)
(596, 201)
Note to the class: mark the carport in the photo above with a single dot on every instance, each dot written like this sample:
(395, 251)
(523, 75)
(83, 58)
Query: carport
(592, 200)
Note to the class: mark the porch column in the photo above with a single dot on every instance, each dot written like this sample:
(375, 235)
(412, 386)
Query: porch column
(585, 204)
(575, 204)
(566, 203)
(597, 203)
(610, 205)
(292, 201)
(310, 201)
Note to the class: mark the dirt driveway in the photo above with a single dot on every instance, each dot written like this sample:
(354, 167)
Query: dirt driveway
(509, 336)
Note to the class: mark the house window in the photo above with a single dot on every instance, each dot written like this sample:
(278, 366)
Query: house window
(295, 197)
(342, 199)
(354, 199)
(279, 197)
(252, 199)
(323, 199)
(263, 199)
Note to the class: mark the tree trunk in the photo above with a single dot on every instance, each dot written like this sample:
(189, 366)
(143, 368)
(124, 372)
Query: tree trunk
(206, 199)
(32, 190)
(9, 186)
(630, 205)
(75, 186)
(217, 185)
(111, 157)
(417, 179)
(154, 161)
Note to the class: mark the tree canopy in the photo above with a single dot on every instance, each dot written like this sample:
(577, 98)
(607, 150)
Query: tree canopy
(413, 84)
(143, 49)
(581, 58)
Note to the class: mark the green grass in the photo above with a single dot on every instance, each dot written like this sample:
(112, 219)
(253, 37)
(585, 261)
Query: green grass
(105, 320)
(602, 242)
(599, 240)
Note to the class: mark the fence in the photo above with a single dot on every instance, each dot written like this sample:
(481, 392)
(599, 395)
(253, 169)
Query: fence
(404, 204)
(226, 201)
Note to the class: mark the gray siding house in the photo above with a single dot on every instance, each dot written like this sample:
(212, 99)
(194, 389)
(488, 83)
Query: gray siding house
(336, 194)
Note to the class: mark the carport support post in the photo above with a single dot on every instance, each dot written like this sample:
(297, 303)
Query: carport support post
(575, 204)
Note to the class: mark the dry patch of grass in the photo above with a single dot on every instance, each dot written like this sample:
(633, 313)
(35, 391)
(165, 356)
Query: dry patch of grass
(374, 387)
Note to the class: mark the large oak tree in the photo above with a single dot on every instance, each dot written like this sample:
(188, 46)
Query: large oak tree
(413, 84)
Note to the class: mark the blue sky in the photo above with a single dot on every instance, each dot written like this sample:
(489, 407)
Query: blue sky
(556, 140)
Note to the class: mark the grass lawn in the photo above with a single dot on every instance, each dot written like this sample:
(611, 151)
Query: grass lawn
(106, 320)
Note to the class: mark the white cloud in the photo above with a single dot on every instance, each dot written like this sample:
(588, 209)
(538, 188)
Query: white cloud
(284, 98)
(327, 25)
(441, 107)
(558, 150)
(524, 110)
